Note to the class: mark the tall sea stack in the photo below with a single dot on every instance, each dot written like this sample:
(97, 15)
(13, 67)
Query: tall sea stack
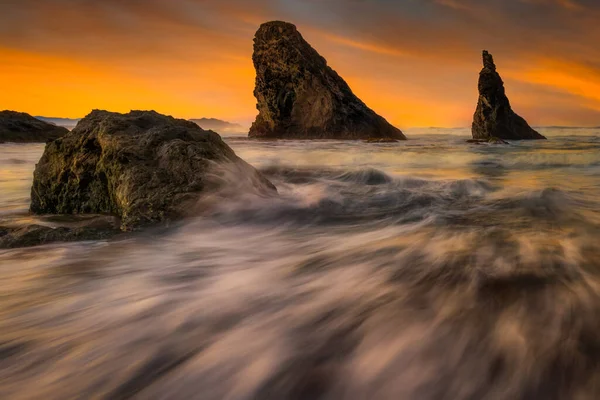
(494, 118)
(300, 97)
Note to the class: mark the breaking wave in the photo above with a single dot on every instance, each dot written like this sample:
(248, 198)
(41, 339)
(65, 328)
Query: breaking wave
(354, 282)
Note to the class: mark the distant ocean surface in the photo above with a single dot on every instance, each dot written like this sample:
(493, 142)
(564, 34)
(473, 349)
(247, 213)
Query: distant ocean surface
(426, 269)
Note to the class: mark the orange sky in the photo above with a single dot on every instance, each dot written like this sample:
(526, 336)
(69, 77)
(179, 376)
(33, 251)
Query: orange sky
(414, 62)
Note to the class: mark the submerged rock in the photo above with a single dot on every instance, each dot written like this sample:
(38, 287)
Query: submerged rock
(143, 167)
(299, 96)
(23, 128)
(36, 235)
(381, 140)
(494, 116)
(491, 140)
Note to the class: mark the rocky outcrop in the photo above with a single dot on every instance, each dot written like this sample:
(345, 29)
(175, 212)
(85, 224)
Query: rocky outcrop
(23, 128)
(494, 116)
(299, 96)
(142, 167)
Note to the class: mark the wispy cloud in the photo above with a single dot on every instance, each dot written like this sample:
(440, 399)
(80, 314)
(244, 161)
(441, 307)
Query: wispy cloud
(415, 61)
(571, 4)
(456, 4)
(367, 46)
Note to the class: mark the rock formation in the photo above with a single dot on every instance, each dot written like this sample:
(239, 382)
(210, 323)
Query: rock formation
(142, 167)
(23, 128)
(299, 96)
(36, 235)
(494, 117)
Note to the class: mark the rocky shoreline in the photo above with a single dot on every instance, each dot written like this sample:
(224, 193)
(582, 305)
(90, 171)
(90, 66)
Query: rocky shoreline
(143, 168)
(147, 169)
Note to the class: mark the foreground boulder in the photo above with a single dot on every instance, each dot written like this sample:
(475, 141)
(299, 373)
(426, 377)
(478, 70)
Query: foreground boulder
(23, 128)
(494, 117)
(142, 167)
(299, 96)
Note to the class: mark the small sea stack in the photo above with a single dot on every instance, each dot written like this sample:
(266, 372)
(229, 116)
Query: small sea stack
(142, 167)
(18, 127)
(300, 97)
(494, 117)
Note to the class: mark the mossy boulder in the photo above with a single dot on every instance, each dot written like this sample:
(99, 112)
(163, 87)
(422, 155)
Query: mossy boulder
(143, 167)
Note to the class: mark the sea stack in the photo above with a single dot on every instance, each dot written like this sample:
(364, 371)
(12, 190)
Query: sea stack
(142, 167)
(300, 97)
(494, 117)
(23, 128)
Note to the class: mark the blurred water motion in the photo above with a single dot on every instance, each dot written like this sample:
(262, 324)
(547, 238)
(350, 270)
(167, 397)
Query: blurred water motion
(429, 269)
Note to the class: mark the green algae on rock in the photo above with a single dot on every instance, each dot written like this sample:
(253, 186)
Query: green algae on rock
(143, 167)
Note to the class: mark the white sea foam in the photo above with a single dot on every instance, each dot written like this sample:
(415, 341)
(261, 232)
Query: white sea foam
(377, 272)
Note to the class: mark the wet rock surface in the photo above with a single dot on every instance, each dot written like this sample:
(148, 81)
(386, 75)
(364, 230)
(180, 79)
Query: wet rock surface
(491, 140)
(381, 140)
(36, 235)
(142, 167)
(59, 229)
(300, 97)
(20, 127)
(494, 116)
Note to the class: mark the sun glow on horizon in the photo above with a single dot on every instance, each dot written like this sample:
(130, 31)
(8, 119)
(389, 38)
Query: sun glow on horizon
(193, 65)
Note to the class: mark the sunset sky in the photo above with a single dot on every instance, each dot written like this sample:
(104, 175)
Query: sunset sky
(416, 62)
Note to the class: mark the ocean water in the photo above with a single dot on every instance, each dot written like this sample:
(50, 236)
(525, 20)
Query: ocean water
(427, 269)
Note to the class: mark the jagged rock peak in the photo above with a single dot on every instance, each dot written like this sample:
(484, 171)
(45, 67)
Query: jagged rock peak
(278, 28)
(494, 117)
(299, 96)
(488, 61)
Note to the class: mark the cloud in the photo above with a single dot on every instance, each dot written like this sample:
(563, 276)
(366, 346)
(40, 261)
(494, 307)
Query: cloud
(416, 62)
(366, 46)
(456, 4)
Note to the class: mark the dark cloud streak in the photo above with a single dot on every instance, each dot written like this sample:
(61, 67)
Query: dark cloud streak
(408, 40)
